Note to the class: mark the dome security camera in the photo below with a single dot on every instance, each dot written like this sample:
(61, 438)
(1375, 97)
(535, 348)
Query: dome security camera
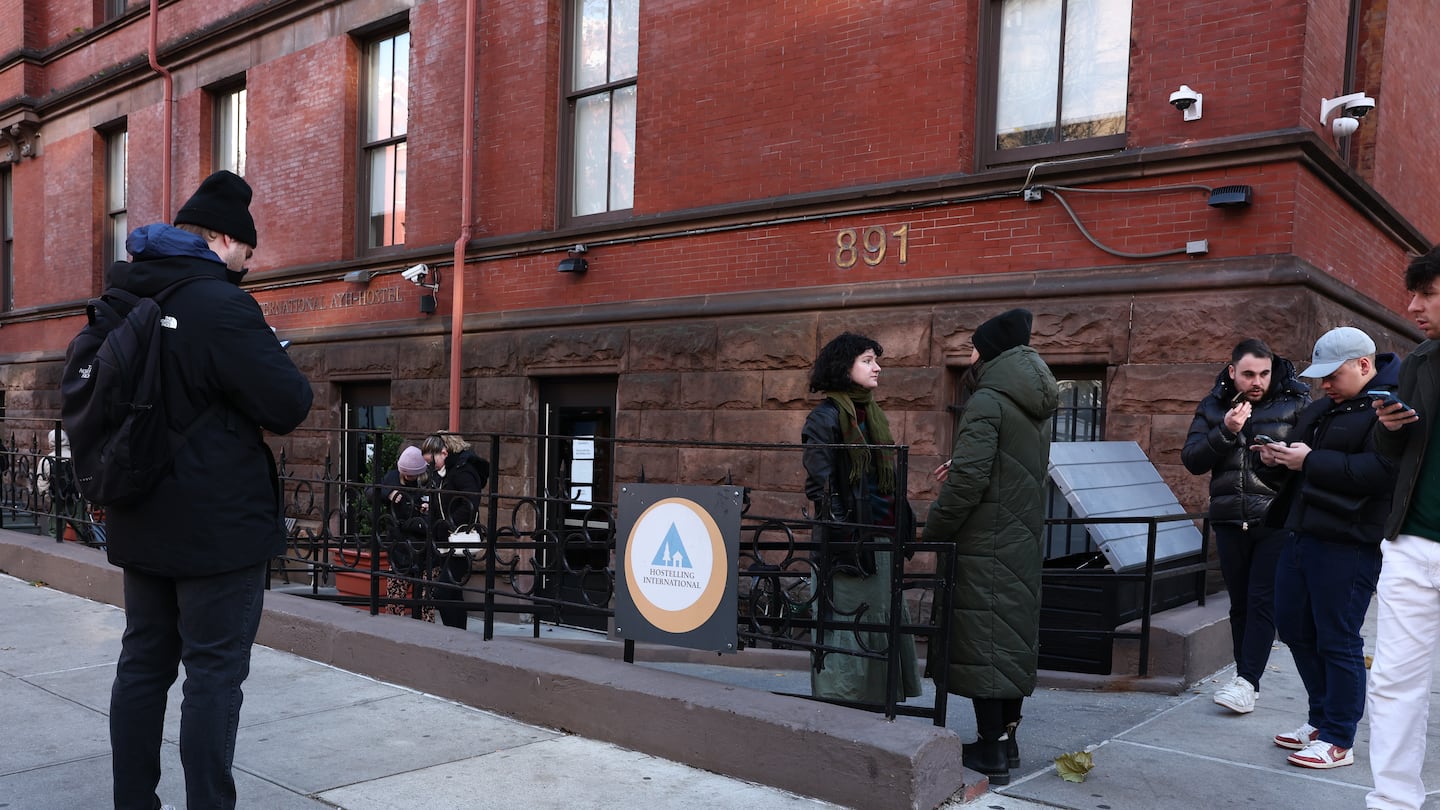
(1359, 107)
(1187, 101)
(1351, 109)
(1183, 98)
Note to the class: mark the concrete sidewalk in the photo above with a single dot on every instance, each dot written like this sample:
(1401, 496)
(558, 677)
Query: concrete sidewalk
(316, 736)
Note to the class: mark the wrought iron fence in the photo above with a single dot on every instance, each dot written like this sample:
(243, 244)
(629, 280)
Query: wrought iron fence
(542, 550)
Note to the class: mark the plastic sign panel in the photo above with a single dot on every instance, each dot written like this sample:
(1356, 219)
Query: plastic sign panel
(678, 548)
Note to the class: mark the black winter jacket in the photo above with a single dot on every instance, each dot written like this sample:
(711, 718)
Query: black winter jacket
(1419, 381)
(459, 490)
(834, 497)
(1343, 491)
(1241, 487)
(219, 507)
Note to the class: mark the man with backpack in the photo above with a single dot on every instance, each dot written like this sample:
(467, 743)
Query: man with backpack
(195, 543)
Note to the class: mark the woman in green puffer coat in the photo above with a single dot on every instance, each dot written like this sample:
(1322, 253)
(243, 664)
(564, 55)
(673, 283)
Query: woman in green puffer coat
(992, 506)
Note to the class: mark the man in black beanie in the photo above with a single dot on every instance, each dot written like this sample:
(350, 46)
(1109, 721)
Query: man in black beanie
(195, 548)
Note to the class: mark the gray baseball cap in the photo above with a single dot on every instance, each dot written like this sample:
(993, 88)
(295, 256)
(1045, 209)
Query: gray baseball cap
(1335, 347)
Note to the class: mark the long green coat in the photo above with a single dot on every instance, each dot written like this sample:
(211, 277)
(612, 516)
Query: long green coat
(992, 506)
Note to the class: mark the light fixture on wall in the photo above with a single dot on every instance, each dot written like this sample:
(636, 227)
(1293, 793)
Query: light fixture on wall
(359, 276)
(574, 261)
(1354, 106)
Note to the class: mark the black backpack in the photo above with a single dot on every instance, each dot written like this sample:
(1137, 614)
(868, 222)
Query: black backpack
(113, 401)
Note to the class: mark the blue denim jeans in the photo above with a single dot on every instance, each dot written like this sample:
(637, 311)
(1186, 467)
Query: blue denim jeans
(1322, 592)
(1248, 558)
(209, 624)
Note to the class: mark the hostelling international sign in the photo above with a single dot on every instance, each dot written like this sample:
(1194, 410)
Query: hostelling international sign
(678, 546)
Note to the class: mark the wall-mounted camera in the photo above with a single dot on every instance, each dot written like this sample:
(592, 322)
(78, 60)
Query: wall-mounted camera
(418, 275)
(1187, 101)
(1353, 107)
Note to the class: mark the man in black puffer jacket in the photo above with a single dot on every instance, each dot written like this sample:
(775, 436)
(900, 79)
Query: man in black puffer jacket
(1336, 505)
(196, 548)
(1257, 394)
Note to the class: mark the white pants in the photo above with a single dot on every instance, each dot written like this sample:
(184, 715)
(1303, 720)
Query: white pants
(1407, 633)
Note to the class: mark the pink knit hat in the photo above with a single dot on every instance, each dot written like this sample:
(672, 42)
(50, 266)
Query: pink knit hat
(411, 462)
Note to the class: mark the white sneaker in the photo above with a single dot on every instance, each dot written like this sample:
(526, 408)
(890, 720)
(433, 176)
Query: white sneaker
(1238, 696)
(1299, 738)
(1322, 755)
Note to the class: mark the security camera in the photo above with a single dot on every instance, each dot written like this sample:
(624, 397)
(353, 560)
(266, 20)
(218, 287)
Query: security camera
(1187, 101)
(416, 274)
(1351, 107)
(1359, 107)
(1184, 98)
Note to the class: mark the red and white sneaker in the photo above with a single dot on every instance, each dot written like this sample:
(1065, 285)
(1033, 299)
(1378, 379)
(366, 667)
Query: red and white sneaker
(1299, 738)
(1322, 755)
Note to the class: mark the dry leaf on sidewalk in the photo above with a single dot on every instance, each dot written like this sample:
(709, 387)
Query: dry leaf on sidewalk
(1074, 767)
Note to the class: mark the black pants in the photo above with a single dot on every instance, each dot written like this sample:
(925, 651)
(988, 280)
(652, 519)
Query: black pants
(209, 624)
(1248, 558)
(992, 715)
(454, 569)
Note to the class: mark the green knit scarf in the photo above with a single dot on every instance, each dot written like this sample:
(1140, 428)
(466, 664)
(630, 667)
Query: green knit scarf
(879, 429)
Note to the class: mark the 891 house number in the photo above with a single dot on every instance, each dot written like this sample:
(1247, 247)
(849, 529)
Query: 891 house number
(871, 245)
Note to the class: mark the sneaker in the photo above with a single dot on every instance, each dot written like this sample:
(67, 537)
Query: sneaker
(1299, 738)
(1238, 696)
(1322, 755)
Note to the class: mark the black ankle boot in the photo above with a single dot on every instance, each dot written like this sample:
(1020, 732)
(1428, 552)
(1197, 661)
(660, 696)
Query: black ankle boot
(1012, 746)
(987, 757)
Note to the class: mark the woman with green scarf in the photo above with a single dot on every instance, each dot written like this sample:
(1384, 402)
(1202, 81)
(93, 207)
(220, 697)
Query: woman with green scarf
(858, 501)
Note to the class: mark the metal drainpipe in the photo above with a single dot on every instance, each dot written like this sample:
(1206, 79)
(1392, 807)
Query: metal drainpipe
(457, 286)
(169, 99)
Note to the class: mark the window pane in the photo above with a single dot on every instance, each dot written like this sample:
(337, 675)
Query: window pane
(624, 39)
(118, 232)
(386, 209)
(230, 131)
(592, 153)
(1028, 73)
(622, 150)
(115, 155)
(1097, 68)
(388, 94)
(592, 43)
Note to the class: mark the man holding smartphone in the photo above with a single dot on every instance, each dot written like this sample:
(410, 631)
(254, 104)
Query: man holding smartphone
(1407, 626)
(1257, 393)
(1335, 504)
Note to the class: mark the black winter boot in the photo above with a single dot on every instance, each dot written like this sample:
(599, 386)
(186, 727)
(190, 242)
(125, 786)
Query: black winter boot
(987, 757)
(1012, 746)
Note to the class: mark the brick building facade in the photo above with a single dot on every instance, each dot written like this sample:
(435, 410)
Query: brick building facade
(770, 175)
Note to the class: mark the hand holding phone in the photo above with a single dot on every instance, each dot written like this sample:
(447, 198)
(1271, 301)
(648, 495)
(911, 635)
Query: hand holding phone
(1387, 398)
(1263, 439)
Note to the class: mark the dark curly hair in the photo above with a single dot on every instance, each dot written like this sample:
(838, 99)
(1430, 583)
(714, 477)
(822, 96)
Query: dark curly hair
(833, 364)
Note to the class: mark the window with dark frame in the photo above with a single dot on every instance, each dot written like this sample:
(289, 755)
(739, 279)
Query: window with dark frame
(114, 9)
(229, 129)
(600, 102)
(116, 193)
(7, 241)
(1056, 78)
(385, 122)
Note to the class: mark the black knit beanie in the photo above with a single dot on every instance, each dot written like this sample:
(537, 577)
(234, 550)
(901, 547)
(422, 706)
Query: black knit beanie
(222, 203)
(1004, 331)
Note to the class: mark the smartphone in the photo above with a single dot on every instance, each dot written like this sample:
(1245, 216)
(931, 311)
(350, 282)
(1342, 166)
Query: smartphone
(1239, 395)
(1263, 439)
(1387, 398)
